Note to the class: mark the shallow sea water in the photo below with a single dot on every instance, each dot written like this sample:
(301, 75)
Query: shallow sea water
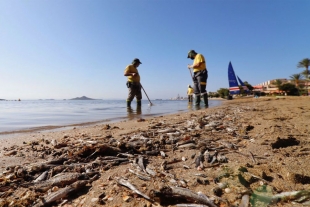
(27, 114)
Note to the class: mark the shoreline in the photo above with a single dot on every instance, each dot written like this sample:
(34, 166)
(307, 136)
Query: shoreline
(89, 123)
(120, 115)
(28, 135)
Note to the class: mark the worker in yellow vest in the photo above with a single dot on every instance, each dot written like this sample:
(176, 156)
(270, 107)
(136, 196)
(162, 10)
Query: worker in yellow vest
(190, 92)
(133, 82)
(200, 77)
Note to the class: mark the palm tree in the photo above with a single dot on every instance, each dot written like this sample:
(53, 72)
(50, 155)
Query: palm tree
(304, 73)
(278, 84)
(305, 64)
(296, 78)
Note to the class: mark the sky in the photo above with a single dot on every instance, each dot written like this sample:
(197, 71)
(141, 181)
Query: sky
(55, 49)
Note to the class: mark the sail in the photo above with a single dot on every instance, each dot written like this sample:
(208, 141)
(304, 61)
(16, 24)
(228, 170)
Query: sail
(245, 88)
(233, 83)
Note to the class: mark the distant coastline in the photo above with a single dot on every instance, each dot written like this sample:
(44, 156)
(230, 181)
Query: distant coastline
(83, 98)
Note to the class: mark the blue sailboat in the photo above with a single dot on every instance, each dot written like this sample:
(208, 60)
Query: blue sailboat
(245, 88)
(233, 82)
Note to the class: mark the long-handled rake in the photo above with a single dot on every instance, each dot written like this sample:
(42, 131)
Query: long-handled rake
(146, 95)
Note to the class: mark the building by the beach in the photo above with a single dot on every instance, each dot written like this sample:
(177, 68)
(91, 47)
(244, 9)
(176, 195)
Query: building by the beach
(271, 87)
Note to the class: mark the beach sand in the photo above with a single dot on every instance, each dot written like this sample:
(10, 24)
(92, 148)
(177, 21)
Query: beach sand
(265, 140)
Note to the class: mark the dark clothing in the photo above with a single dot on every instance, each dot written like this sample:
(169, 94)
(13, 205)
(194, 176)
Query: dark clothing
(200, 82)
(134, 90)
(190, 98)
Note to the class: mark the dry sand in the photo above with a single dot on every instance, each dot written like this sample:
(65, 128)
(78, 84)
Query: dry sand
(271, 142)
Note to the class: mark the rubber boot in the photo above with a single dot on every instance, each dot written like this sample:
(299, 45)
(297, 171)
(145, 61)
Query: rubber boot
(128, 103)
(139, 103)
(205, 99)
(197, 100)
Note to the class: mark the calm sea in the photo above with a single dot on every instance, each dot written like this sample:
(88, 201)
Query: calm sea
(28, 114)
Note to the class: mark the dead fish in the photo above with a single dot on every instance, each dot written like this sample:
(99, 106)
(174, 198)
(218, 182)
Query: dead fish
(9, 169)
(133, 188)
(199, 160)
(162, 154)
(208, 157)
(204, 197)
(229, 145)
(293, 195)
(53, 142)
(212, 124)
(222, 158)
(166, 130)
(168, 174)
(125, 155)
(113, 158)
(191, 205)
(91, 142)
(38, 167)
(201, 175)
(173, 181)
(10, 176)
(57, 161)
(152, 153)
(140, 175)
(172, 140)
(191, 195)
(58, 180)
(163, 166)
(245, 201)
(14, 152)
(41, 177)
(183, 183)
(175, 134)
(214, 157)
(61, 193)
(141, 163)
(189, 145)
(150, 171)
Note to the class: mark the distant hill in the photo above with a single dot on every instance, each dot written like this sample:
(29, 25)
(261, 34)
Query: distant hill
(2, 99)
(82, 98)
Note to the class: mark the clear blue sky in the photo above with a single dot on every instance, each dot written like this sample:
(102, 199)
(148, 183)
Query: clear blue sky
(65, 49)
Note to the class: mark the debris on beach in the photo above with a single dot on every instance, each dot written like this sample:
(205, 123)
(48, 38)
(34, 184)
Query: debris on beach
(200, 160)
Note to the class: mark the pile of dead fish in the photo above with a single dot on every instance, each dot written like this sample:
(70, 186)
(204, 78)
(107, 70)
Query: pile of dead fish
(74, 164)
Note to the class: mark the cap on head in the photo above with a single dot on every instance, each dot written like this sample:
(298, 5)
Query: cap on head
(136, 60)
(191, 54)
